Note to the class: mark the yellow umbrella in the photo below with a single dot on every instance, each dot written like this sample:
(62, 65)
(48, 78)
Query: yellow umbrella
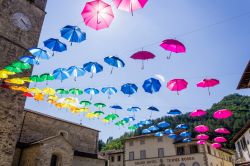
(23, 89)
(13, 87)
(3, 75)
(49, 91)
(53, 97)
(51, 101)
(17, 81)
(105, 120)
(4, 71)
(59, 105)
(70, 100)
(85, 109)
(39, 97)
(90, 115)
(26, 79)
(34, 90)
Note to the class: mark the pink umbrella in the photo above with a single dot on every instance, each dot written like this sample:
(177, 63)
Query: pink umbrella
(222, 114)
(202, 137)
(130, 5)
(173, 45)
(97, 14)
(201, 129)
(198, 113)
(201, 142)
(216, 145)
(143, 55)
(220, 139)
(207, 83)
(222, 131)
(177, 85)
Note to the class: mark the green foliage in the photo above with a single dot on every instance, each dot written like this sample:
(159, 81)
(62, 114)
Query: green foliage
(240, 105)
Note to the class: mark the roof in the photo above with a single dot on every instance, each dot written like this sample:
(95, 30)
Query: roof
(113, 151)
(62, 120)
(241, 132)
(245, 79)
(140, 136)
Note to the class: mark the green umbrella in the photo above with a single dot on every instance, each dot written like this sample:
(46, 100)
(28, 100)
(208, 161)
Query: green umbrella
(36, 78)
(132, 128)
(112, 116)
(47, 77)
(75, 91)
(21, 65)
(13, 69)
(99, 105)
(85, 103)
(98, 113)
(62, 91)
(120, 123)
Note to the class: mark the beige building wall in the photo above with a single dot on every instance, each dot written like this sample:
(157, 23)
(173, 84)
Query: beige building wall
(114, 159)
(82, 161)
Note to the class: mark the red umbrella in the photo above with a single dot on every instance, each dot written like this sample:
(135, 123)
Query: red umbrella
(216, 145)
(143, 55)
(27, 94)
(202, 137)
(207, 83)
(198, 113)
(173, 45)
(97, 14)
(177, 85)
(201, 129)
(130, 5)
(220, 139)
(222, 131)
(222, 114)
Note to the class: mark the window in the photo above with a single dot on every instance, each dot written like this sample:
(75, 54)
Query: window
(196, 164)
(159, 139)
(180, 150)
(142, 142)
(112, 159)
(240, 154)
(54, 160)
(193, 149)
(64, 134)
(160, 152)
(119, 158)
(243, 143)
(142, 154)
(131, 143)
(131, 156)
(208, 149)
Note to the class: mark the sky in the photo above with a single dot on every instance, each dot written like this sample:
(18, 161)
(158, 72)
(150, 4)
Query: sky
(216, 34)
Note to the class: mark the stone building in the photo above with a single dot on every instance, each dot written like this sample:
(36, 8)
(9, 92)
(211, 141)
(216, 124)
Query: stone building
(245, 79)
(114, 157)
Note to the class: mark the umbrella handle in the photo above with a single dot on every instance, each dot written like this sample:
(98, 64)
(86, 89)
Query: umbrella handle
(53, 53)
(142, 67)
(131, 8)
(111, 70)
(71, 44)
(92, 75)
(75, 79)
(90, 97)
(209, 91)
(168, 57)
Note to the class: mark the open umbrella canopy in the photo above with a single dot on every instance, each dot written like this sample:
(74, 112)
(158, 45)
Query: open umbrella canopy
(222, 114)
(142, 55)
(129, 88)
(97, 14)
(222, 131)
(134, 109)
(61, 74)
(62, 91)
(186, 140)
(201, 129)
(151, 85)
(26, 94)
(16, 81)
(99, 113)
(29, 59)
(129, 119)
(55, 45)
(182, 126)
(148, 122)
(93, 67)
(153, 128)
(91, 91)
(109, 91)
(146, 131)
(116, 107)
(73, 34)
(100, 105)
(76, 72)
(163, 124)
(216, 145)
(13, 69)
(172, 136)
(49, 91)
(220, 139)
(185, 134)
(201, 142)
(114, 62)
(36, 78)
(47, 77)
(173, 45)
(76, 91)
(202, 137)
(39, 53)
(174, 112)
(152, 108)
(21, 65)
(198, 113)
(85, 103)
(132, 128)
(38, 96)
(208, 83)
(159, 134)
(90, 115)
(169, 131)
(177, 85)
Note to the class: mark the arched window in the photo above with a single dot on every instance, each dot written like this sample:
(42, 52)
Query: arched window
(196, 164)
(182, 164)
(64, 134)
(54, 160)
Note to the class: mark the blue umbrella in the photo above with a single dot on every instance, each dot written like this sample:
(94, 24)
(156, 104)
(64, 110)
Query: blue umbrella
(55, 45)
(129, 119)
(114, 62)
(92, 67)
(185, 134)
(91, 92)
(169, 131)
(163, 124)
(73, 34)
(153, 128)
(39, 53)
(181, 126)
(152, 109)
(174, 112)
(61, 74)
(134, 109)
(129, 89)
(29, 59)
(186, 140)
(116, 107)
(146, 131)
(173, 136)
(151, 85)
(109, 91)
(76, 71)
(138, 125)
(159, 134)
(148, 122)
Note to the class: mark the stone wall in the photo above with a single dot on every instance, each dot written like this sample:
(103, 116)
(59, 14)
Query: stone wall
(80, 161)
(37, 127)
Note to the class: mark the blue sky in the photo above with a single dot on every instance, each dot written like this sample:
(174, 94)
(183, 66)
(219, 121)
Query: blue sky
(221, 51)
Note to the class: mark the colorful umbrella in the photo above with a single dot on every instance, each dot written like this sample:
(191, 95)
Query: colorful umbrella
(73, 34)
(61, 74)
(174, 112)
(129, 89)
(92, 67)
(220, 139)
(129, 119)
(177, 85)
(114, 62)
(13, 69)
(172, 136)
(5, 73)
(143, 55)
(148, 122)
(55, 45)
(197, 113)
(21, 65)
(49, 91)
(201, 129)
(201, 142)
(98, 113)
(168, 131)
(186, 140)
(222, 114)
(109, 91)
(91, 92)
(146, 131)
(222, 131)
(208, 83)
(97, 14)
(130, 5)
(181, 126)
(173, 45)
(75, 91)
(132, 128)
(26, 94)
(163, 124)
(151, 109)
(185, 134)
(36, 78)
(62, 91)
(216, 145)
(134, 109)
(100, 105)
(39, 53)
(159, 134)
(76, 72)
(153, 128)
(16, 81)
(202, 137)
(151, 85)
(47, 77)
(90, 115)
(85, 103)
(29, 59)
(39, 97)
(116, 107)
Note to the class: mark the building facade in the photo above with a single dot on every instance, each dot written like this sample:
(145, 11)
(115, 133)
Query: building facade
(162, 151)
(242, 144)
(245, 79)
(114, 157)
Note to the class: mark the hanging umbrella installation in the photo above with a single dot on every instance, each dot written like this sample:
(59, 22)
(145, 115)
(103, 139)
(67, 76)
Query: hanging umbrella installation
(116, 107)
(201, 129)
(198, 113)
(73, 34)
(208, 83)
(76, 72)
(29, 59)
(93, 67)
(97, 14)
(152, 109)
(91, 92)
(174, 112)
(39, 53)
(130, 5)
(134, 110)
(143, 55)
(109, 91)
(151, 85)
(173, 45)
(222, 114)
(222, 131)
(55, 45)
(60, 74)
(114, 62)
(129, 89)
(76, 91)
(177, 85)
